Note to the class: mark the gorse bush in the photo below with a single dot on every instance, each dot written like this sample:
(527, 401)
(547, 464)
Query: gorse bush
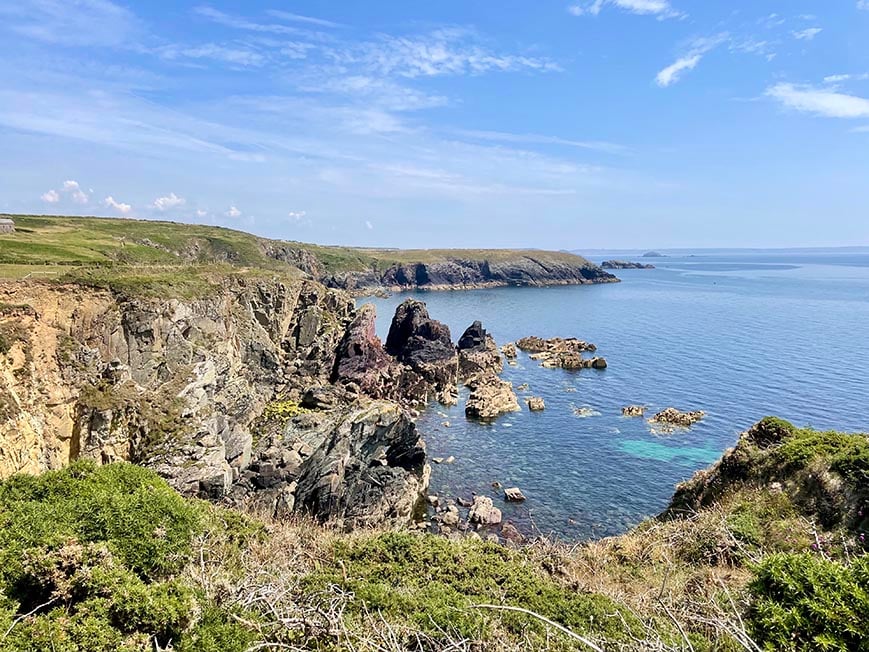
(807, 602)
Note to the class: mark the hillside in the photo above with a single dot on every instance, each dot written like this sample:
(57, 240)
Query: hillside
(83, 245)
(107, 558)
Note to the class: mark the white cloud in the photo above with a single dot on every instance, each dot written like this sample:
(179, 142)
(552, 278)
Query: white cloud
(672, 73)
(79, 23)
(120, 207)
(201, 213)
(168, 202)
(824, 102)
(51, 197)
(233, 212)
(74, 190)
(297, 216)
(659, 8)
(807, 34)
(863, 4)
(369, 225)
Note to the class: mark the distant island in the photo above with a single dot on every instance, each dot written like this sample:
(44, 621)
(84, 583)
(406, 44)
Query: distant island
(653, 254)
(624, 264)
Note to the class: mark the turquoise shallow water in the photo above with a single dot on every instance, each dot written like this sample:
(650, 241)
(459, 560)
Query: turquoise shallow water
(738, 335)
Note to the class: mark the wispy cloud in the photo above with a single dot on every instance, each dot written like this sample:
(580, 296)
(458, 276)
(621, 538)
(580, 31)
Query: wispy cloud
(808, 34)
(120, 207)
(308, 20)
(660, 8)
(538, 139)
(74, 190)
(863, 4)
(697, 48)
(233, 212)
(238, 56)
(836, 79)
(80, 23)
(51, 197)
(824, 102)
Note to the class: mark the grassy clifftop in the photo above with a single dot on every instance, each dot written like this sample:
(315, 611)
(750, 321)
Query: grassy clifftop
(109, 558)
(41, 244)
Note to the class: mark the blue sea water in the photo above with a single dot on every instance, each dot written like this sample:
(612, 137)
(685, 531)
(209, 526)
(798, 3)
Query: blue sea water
(739, 335)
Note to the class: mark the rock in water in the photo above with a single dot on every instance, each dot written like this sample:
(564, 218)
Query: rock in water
(490, 398)
(634, 411)
(536, 404)
(561, 353)
(509, 351)
(484, 512)
(514, 495)
(424, 344)
(673, 417)
(478, 353)
(624, 264)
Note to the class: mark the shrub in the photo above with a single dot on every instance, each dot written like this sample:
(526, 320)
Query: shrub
(807, 602)
(432, 583)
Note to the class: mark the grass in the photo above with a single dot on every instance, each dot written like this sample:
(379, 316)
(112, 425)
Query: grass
(48, 241)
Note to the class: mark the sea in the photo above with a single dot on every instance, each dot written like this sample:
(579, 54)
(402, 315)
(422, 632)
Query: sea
(738, 334)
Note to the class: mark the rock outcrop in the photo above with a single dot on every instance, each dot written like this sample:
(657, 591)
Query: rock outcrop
(490, 397)
(483, 512)
(478, 353)
(633, 411)
(425, 345)
(673, 417)
(564, 353)
(362, 365)
(624, 264)
(535, 403)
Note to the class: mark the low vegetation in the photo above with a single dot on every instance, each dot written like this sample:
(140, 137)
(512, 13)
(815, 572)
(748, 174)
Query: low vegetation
(110, 558)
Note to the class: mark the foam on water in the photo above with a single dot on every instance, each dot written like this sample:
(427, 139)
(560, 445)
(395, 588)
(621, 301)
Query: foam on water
(739, 337)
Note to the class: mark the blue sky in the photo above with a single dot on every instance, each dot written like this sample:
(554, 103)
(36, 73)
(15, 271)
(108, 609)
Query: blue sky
(594, 123)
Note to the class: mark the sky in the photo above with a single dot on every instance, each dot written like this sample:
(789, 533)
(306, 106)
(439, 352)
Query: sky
(464, 123)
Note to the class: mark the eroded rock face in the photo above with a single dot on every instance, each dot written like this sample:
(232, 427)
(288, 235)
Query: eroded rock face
(362, 364)
(490, 398)
(424, 344)
(367, 465)
(478, 353)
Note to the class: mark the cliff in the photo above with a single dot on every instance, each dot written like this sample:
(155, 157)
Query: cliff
(218, 393)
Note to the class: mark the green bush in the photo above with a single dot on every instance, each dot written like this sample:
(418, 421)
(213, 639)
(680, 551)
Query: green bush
(806, 602)
(433, 583)
(142, 521)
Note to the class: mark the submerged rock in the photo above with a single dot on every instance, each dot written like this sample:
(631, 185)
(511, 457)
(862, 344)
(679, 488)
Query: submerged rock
(490, 398)
(673, 417)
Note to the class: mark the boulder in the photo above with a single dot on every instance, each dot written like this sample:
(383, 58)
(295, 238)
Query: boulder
(509, 351)
(484, 512)
(673, 417)
(450, 517)
(514, 495)
(634, 411)
(490, 398)
(561, 353)
(511, 535)
(535, 404)
(478, 353)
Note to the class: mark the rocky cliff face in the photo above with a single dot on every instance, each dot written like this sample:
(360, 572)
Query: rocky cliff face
(182, 386)
(523, 269)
